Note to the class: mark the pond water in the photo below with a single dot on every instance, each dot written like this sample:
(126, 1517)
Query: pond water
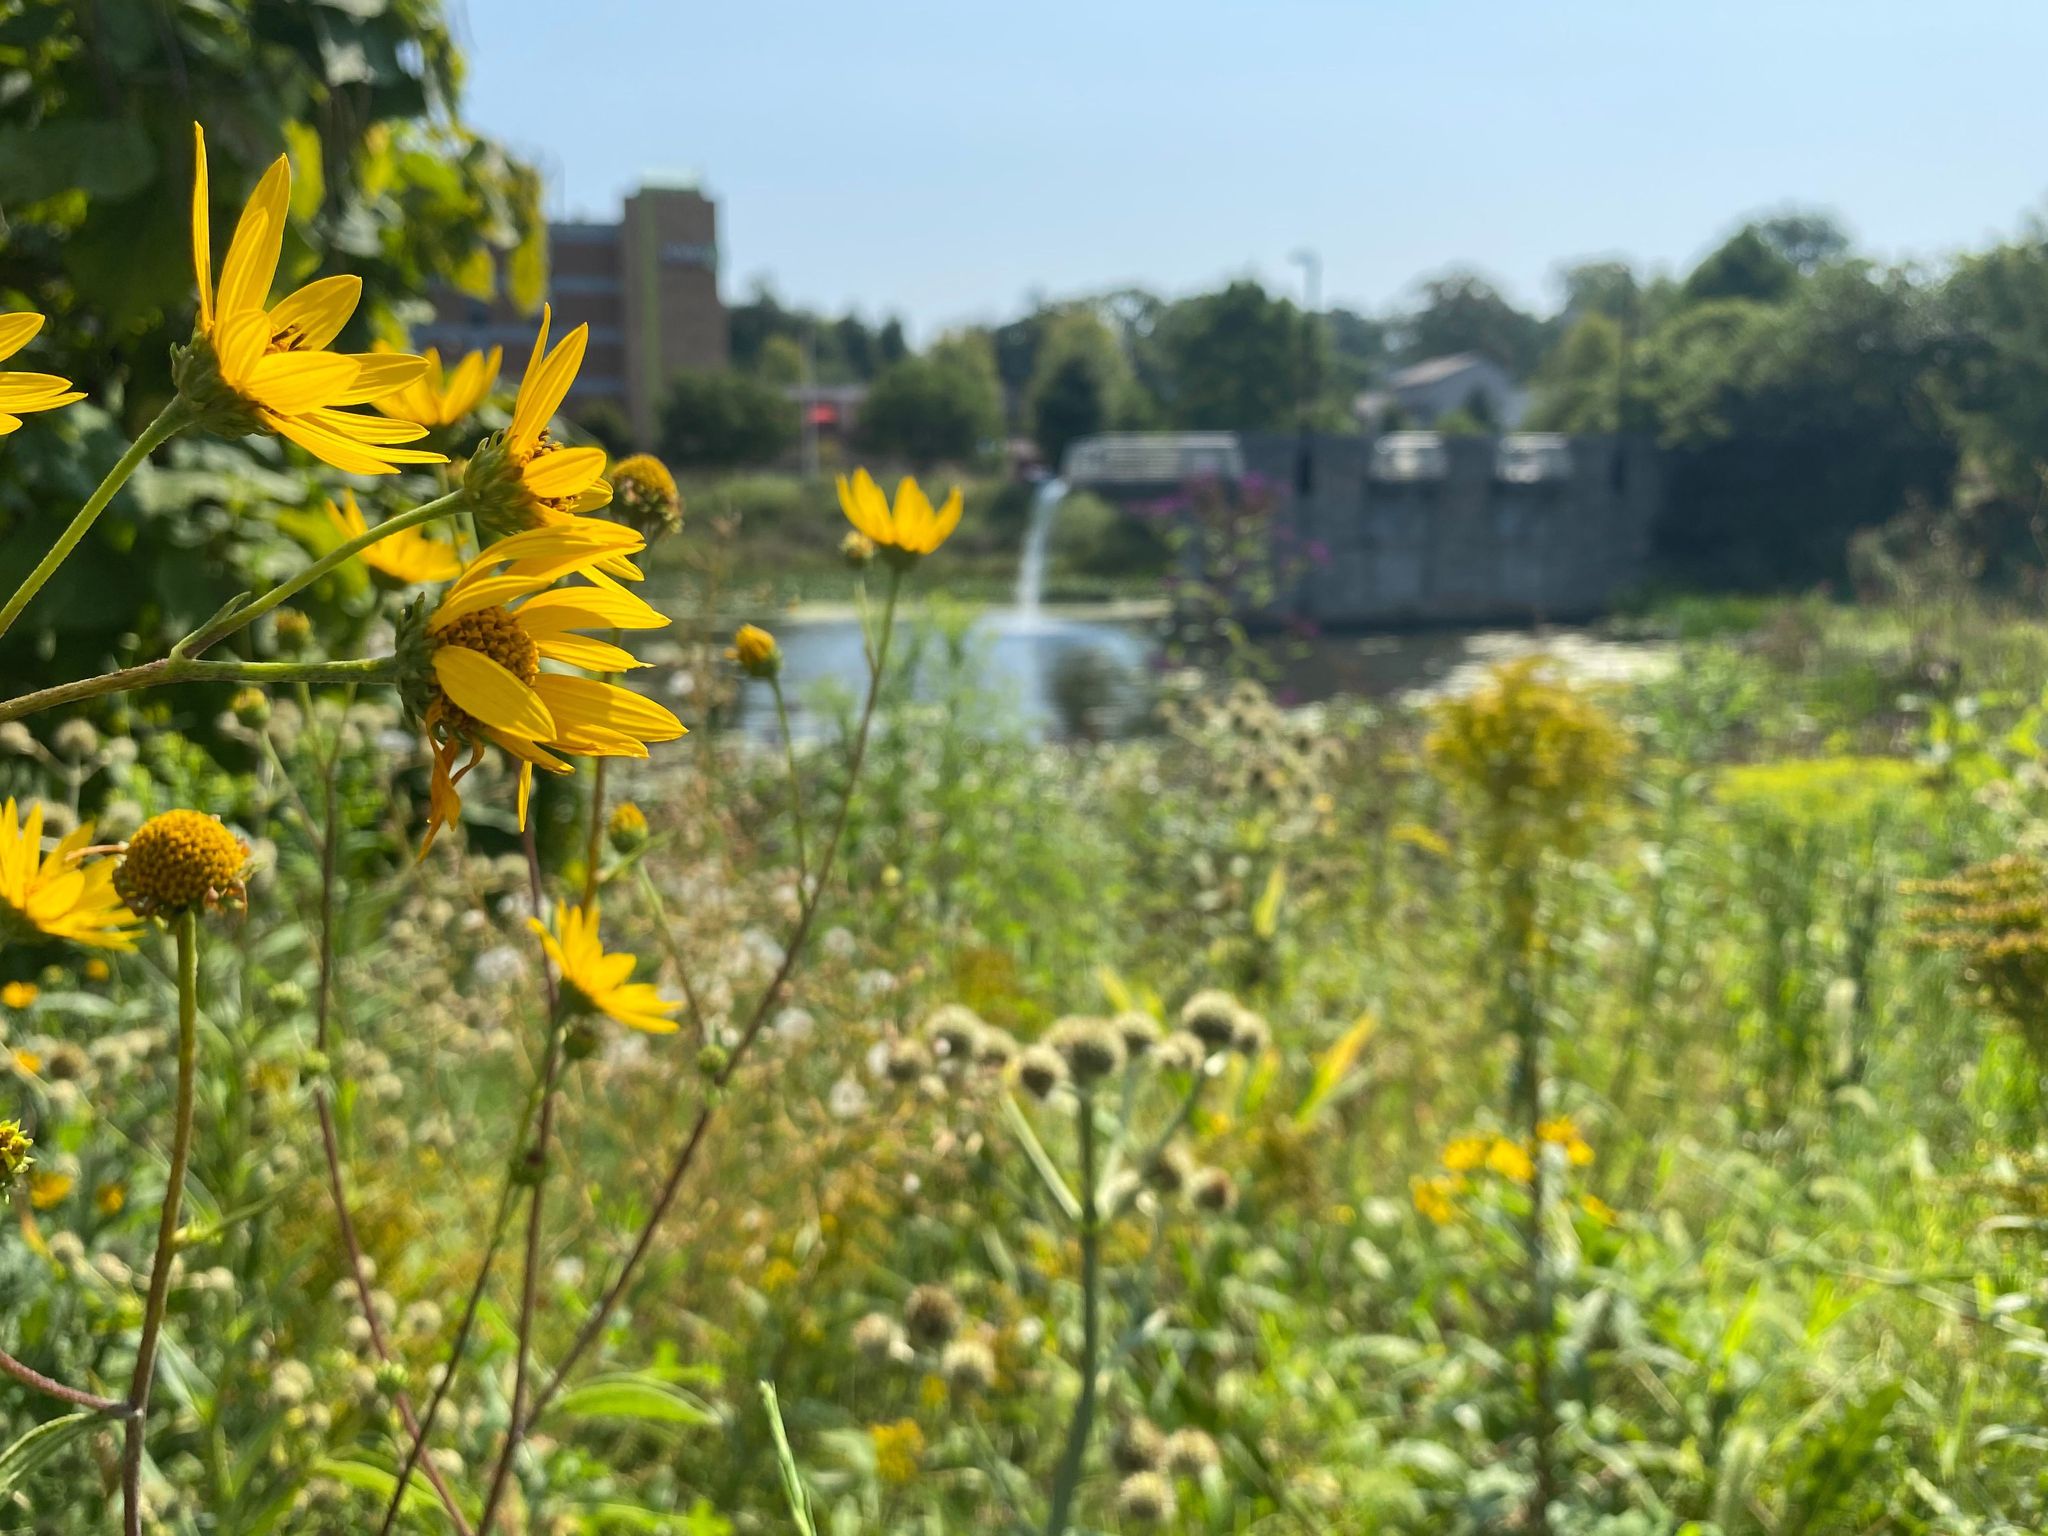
(1091, 673)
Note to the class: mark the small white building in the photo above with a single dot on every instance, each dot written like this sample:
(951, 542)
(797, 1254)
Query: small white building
(1423, 393)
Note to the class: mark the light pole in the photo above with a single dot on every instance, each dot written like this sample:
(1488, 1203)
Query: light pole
(1312, 294)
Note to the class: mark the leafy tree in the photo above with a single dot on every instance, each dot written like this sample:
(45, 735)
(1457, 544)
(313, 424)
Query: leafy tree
(1578, 387)
(1605, 287)
(1746, 266)
(724, 419)
(1358, 350)
(943, 407)
(1462, 312)
(1807, 238)
(1083, 383)
(781, 362)
(1995, 389)
(1236, 360)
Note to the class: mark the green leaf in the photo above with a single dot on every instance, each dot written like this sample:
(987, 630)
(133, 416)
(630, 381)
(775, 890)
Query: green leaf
(1266, 915)
(40, 1444)
(366, 1477)
(633, 1396)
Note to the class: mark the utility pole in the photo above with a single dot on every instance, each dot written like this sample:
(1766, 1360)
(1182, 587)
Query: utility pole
(1312, 294)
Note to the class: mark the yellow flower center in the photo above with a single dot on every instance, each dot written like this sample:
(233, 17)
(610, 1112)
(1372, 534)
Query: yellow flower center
(178, 861)
(492, 632)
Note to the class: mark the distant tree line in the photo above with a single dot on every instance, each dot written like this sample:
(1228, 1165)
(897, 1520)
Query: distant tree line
(1801, 392)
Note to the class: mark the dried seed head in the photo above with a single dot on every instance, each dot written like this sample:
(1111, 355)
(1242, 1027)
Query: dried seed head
(1091, 1048)
(876, 1336)
(1214, 1191)
(1140, 1031)
(1138, 1446)
(907, 1061)
(931, 1316)
(968, 1365)
(1041, 1069)
(1191, 1452)
(954, 1031)
(1144, 1499)
(1211, 1017)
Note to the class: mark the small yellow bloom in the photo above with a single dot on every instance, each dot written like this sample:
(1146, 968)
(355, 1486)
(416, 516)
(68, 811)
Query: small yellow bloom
(908, 530)
(97, 969)
(756, 651)
(15, 1146)
(1467, 1153)
(1599, 1210)
(58, 894)
(1511, 1160)
(1563, 1134)
(478, 677)
(19, 994)
(1436, 1197)
(626, 829)
(28, 1063)
(21, 393)
(110, 1199)
(645, 498)
(180, 861)
(46, 1187)
(273, 362)
(600, 981)
(435, 399)
(899, 1451)
(411, 556)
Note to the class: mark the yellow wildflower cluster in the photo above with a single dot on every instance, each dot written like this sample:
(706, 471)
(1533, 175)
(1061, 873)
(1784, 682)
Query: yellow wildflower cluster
(1436, 1196)
(1536, 759)
(899, 1451)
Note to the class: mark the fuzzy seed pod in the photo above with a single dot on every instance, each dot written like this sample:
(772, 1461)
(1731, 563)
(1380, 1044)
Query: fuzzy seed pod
(1211, 1017)
(1191, 1452)
(1144, 1500)
(1041, 1069)
(1140, 1031)
(1214, 1191)
(876, 1336)
(931, 1316)
(968, 1365)
(1091, 1048)
(1138, 1446)
(954, 1031)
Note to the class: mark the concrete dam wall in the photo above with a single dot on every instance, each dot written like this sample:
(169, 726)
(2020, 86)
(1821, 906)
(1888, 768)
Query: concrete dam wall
(1413, 528)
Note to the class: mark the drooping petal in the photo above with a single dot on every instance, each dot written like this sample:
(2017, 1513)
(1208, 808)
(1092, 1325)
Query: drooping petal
(582, 701)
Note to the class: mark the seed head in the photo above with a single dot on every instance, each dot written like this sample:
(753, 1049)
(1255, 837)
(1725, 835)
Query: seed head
(954, 1031)
(1144, 1499)
(1091, 1048)
(178, 862)
(1140, 1031)
(1214, 1191)
(931, 1316)
(907, 1060)
(994, 1048)
(1191, 1452)
(1169, 1172)
(1211, 1017)
(857, 549)
(1251, 1035)
(968, 1366)
(876, 1336)
(1180, 1051)
(1041, 1069)
(1138, 1446)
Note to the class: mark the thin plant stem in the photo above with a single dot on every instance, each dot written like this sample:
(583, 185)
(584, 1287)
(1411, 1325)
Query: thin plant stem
(1067, 1476)
(330, 1138)
(529, 1283)
(172, 419)
(187, 930)
(686, 1154)
(240, 618)
(189, 669)
(593, 848)
(796, 784)
(668, 941)
(49, 1386)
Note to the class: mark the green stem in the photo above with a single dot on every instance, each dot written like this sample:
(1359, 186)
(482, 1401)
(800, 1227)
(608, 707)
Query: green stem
(796, 787)
(172, 419)
(187, 669)
(668, 942)
(241, 618)
(1067, 1479)
(187, 928)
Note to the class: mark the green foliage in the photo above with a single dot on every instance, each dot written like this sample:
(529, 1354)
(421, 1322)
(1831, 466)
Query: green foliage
(1237, 360)
(943, 407)
(726, 419)
(1747, 267)
(1461, 311)
(1081, 383)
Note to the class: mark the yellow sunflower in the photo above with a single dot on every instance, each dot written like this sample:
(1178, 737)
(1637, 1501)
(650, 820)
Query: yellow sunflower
(272, 361)
(599, 981)
(476, 666)
(912, 529)
(21, 393)
(411, 555)
(522, 478)
(58, 894)
(435, 399)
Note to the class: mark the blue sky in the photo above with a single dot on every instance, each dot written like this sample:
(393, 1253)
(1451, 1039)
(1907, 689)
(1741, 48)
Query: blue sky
(947, 161)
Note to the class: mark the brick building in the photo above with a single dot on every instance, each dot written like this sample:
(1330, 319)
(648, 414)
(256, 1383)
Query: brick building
(646, 285)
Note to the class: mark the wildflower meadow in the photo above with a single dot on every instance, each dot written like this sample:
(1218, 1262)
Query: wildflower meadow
(455, 1079)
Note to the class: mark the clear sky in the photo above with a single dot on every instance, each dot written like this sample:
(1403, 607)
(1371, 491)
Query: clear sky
(946, 161)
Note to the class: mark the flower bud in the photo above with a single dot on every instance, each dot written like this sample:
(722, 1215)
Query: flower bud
(857, 549)
(756, 652)
(251, 708)
(626, 829)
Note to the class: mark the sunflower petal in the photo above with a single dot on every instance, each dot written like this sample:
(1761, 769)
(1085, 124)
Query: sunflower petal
(542, 392)
(202, 229)
(565, 472)
(293, 383)
(251, 267)
(17, 330)
(490, 692)
(314, 315)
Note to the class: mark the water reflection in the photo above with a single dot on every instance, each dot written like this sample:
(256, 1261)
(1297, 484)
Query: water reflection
(1093, 678)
